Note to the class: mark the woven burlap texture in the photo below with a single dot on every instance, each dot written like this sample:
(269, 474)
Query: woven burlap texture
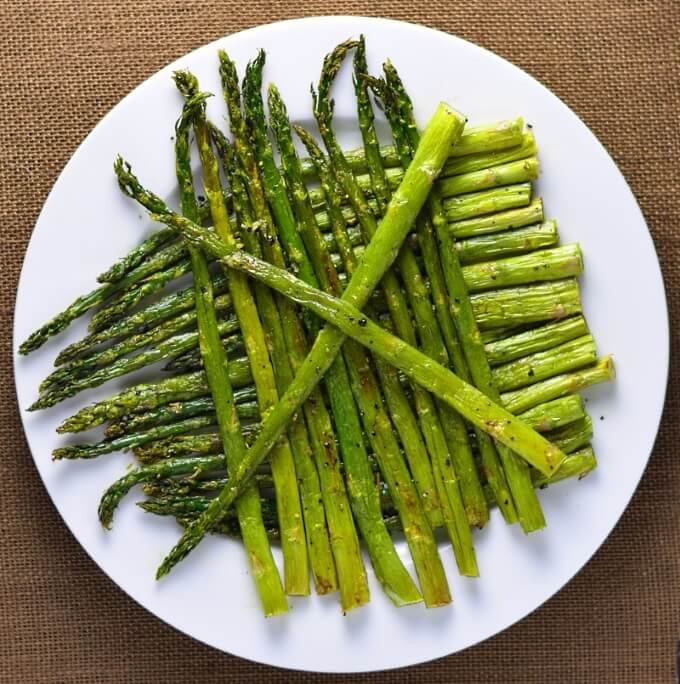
(616, 63)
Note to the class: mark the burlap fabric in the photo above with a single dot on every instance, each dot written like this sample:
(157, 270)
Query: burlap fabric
(64, 64)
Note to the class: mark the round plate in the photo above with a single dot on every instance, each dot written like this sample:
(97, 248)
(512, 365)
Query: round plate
(86, 223)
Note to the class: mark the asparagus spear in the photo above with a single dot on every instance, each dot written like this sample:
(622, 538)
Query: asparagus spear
(484, 202)
(395, 397)
(389, 569)
(555, 413)
(496, 176)
(535, 340)
(145, 397)
(546, 264)
(493, 309)
(541, 365)
(244, 398)
(545, 418)
(397, 402)
(127, 441)
(484, 160)
(166, 348)
(507, 243)
(574, 435)
(551, 301)
(498, 221)
(363, 382)
(179, 497)
(576, 465)
(406, 203)
(293, 539)
(558, 386)
(333, 495)
(100, 359)
(536, 300)
(127, 300)
(516, 470)
(443, 428)
(551, 264)
(138, 322)
(136, 256)
(158, 471)
(124, 274)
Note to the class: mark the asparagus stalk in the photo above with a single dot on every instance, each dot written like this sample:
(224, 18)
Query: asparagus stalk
(535, 340)
(365, 503)
(239, 370)
(183, 445)
(293, 539)
(133, 268)
(541, 365)
(558, 386)
(108, 446)
(89, 364)
(489, 458)
(551, 301)
(546, 418)
(509, 243)
(366, 392)
(406, 203)
(244, 398)
(574, 435)
(541, 418)
(552, 264)
(150, 473)
(136, 256)
(156, 313)
(554, 414)
(178, 498)
(546, 264)
(576, 465)
(188, 486)
(484, 160)
(145, 397)
(444, 427)
(478, 204)
(516, 470)
(499, 221)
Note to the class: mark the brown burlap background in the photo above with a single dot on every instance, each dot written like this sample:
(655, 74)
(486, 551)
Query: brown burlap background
(64, 64)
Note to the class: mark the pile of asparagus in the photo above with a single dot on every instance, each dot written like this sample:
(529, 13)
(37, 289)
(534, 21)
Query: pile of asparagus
(376, 341)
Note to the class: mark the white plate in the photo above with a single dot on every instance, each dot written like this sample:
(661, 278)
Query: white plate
(86, 223)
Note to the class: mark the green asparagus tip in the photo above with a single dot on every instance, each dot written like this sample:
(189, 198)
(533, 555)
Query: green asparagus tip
(68, 452)
(194, 105)
(186, 83)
